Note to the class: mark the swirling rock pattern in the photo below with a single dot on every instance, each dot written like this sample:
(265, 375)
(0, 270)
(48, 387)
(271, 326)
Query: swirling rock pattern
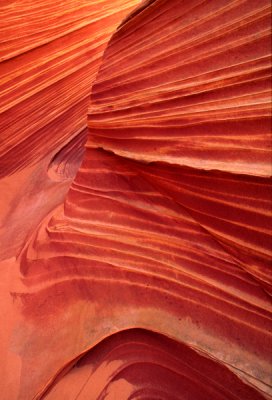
(46, 82)
(153, 279)
(139, 364)
(50, 51)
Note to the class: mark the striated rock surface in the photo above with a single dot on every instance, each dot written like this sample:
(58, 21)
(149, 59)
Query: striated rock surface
(50, 52)
(141, 364)
(153, 279)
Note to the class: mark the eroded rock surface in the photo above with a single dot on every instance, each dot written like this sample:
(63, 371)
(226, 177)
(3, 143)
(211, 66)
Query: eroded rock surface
(152, 279)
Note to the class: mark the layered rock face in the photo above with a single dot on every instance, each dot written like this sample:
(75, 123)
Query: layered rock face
(152, 279)
(50, 52)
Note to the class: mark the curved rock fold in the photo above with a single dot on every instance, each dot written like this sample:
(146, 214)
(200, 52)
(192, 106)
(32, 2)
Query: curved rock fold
(151, 279)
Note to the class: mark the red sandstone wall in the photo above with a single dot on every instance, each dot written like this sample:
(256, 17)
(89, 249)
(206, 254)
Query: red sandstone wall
(50, 52)
(152, 280)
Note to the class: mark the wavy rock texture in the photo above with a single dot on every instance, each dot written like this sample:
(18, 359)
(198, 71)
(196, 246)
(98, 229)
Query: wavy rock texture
(153, 279)
(50, 51)
(139, 364)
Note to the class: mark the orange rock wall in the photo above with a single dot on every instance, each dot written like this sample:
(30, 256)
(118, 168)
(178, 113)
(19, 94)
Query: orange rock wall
(50, 52)
(153, 278)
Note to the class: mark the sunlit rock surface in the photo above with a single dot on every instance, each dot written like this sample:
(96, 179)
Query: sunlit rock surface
(152, 279)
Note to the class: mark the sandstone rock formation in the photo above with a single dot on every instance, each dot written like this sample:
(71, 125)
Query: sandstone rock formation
(50, 51)
(152, 278)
